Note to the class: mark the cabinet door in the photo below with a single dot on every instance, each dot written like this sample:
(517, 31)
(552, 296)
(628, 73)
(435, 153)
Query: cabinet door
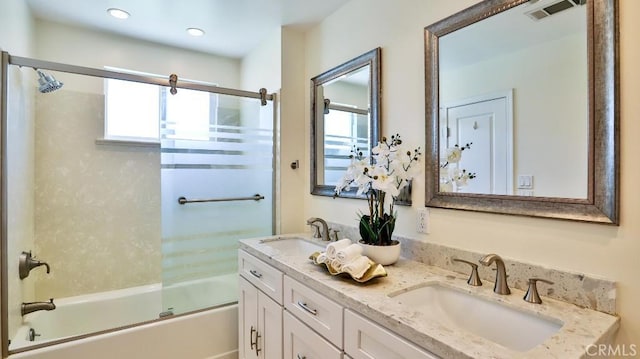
(248, 319)
(364, 339)
(269, 335)
(300, 342)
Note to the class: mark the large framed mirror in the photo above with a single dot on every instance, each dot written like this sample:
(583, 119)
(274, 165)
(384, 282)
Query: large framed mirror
(522, 109)
(345, 112)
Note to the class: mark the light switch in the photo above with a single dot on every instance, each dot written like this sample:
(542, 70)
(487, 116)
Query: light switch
(525, 182)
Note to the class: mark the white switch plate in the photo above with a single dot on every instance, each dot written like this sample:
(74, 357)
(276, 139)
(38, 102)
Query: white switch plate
(422, 224)
(525, 182)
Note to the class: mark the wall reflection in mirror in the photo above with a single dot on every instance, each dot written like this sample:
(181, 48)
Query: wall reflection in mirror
(345, 105)
(514, 87)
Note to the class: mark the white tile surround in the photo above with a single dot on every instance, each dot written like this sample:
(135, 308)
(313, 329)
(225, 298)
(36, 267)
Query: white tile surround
(576, 288)
(581, 327)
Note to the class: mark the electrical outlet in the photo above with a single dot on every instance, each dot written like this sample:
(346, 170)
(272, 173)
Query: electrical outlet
(422, 223)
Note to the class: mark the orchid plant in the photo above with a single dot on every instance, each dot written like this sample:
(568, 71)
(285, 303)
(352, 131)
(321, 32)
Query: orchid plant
(388, 170)
(450, 175)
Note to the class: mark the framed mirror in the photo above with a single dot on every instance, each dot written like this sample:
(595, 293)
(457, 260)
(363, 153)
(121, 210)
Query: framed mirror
(522, 109)
(345, 112)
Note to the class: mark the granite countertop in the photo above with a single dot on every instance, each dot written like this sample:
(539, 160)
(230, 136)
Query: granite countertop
(581, 328)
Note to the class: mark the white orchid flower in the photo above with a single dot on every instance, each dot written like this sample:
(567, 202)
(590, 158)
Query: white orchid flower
(454, 154)
(384, 182)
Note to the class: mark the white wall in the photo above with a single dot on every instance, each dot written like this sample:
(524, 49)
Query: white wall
(397, 27)
(16, 28)
(71, 45)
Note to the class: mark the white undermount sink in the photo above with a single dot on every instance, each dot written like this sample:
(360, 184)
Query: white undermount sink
(294, 245)
(509, 327)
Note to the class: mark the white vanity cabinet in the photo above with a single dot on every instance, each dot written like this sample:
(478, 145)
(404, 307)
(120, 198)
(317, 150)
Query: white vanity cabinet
(260, 316)
(281, 317)
(364, 339)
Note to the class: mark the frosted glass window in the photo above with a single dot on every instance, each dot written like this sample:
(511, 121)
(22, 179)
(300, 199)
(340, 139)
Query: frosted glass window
(132, 110)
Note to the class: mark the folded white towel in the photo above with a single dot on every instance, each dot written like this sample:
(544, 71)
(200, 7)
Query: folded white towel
(337, 265)
(334, 247)
(358, 267)
(348, 254)
(321, 258)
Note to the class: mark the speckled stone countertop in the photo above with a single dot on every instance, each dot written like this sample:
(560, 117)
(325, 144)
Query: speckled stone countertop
(581, 329)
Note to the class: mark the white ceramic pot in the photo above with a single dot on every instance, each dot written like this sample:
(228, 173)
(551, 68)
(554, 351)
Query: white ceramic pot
(384, 255)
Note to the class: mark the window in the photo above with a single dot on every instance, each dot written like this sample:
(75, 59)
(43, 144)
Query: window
(343, 130)
(134, 111)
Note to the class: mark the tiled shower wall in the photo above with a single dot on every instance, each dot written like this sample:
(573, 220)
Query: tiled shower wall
(97, 206)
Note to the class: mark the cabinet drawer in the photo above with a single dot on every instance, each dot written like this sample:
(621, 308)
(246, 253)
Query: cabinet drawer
(263, 276)
(300, 342)
(321, 314)
(364, 339)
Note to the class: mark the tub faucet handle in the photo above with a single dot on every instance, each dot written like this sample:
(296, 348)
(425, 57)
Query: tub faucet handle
(532, 292)
(27, 262)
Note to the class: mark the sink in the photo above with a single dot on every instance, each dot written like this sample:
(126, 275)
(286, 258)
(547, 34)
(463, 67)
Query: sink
(512, 328)
(294, 245)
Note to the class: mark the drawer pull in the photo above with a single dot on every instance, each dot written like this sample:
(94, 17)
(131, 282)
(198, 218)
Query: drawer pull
(255, 273)
(301, 356)
(306, 308)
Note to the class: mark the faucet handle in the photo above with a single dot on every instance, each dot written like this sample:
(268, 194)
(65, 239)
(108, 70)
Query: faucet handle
(333, 234)
(474, 278)
(532, 292)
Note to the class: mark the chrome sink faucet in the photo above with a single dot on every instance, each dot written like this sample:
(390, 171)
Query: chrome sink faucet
(27, 308)
(323, 223)
(501, 286)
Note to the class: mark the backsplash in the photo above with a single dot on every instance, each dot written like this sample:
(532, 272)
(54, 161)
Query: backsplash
(576, 288)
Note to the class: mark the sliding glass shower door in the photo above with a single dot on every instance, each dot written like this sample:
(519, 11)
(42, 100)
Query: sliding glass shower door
(217, 187)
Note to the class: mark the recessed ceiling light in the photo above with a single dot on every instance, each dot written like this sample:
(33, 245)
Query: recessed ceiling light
(118, 13)
(194, 31)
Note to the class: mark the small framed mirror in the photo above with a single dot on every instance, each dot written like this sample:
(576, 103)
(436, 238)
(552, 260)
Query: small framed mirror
(345, 114)
(522, 109)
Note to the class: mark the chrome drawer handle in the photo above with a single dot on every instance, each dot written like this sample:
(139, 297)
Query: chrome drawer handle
(306, 308)
(255, 273)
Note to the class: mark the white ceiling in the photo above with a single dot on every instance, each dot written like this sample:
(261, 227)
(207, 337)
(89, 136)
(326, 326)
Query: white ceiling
(233, 27)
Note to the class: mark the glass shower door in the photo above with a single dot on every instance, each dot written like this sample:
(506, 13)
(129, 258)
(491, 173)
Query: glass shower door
(217, 187)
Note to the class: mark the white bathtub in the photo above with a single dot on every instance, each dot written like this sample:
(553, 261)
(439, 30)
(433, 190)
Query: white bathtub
(207, 334)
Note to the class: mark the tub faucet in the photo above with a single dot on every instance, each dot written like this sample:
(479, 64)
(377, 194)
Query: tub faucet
(325, 227)
(501, 286)
(27, 308)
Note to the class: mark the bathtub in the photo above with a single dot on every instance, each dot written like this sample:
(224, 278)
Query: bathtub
(210, 333)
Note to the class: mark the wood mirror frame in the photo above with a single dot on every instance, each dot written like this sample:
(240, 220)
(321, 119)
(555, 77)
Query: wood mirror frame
(602, 202)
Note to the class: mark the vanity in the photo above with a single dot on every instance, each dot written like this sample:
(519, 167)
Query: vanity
(292, 308)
